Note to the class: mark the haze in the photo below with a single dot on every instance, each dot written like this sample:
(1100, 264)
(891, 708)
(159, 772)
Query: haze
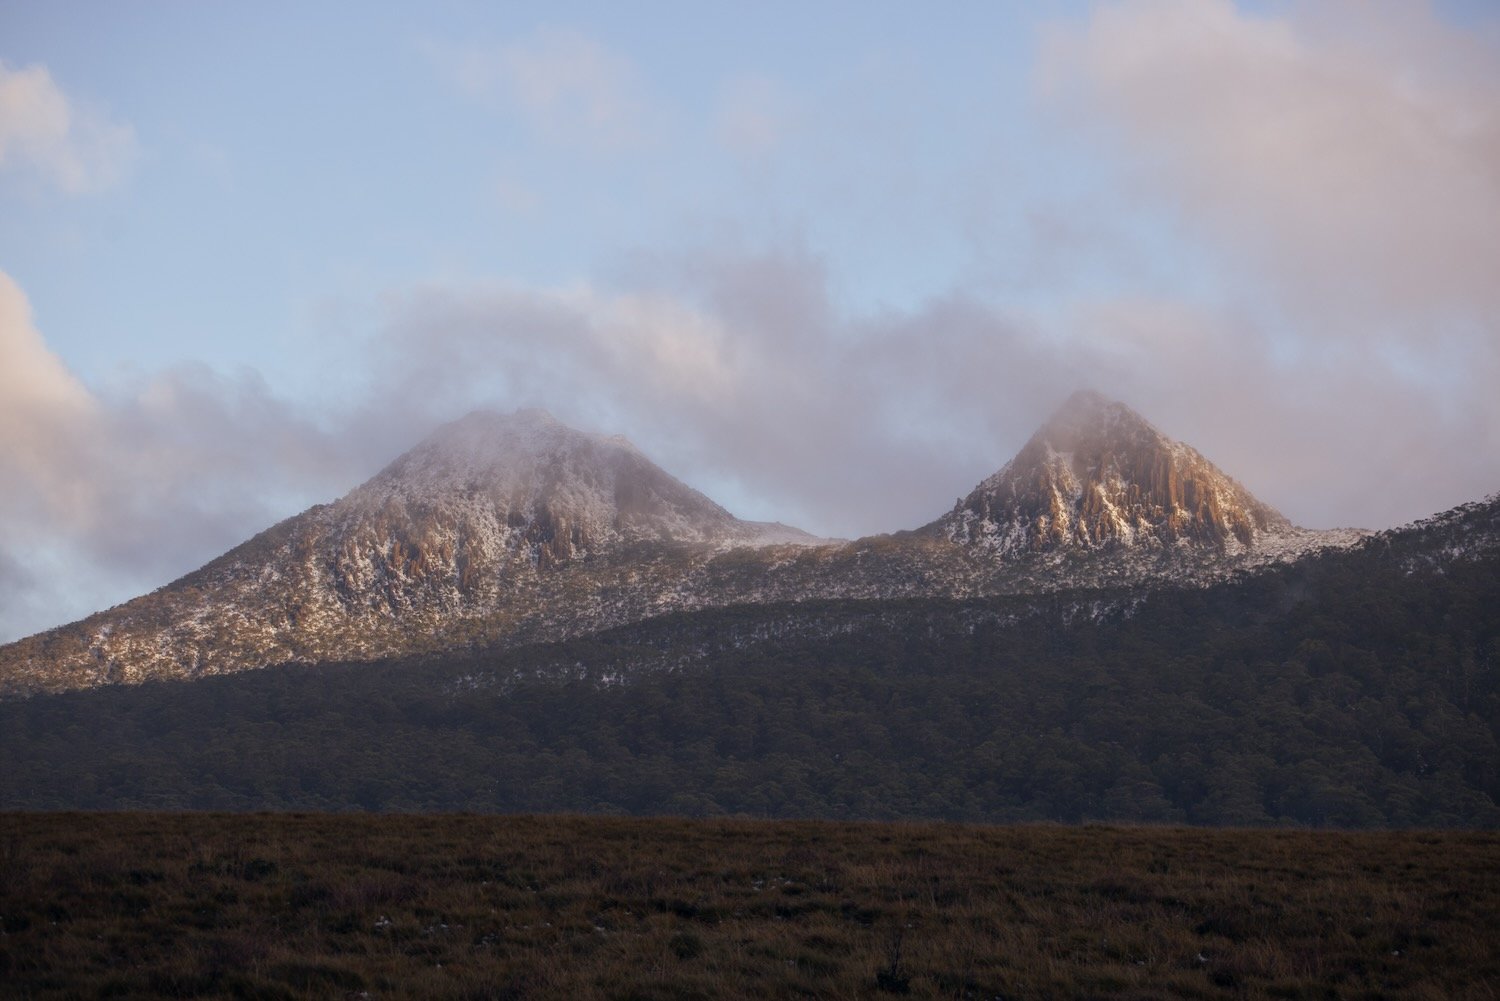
(830, 267)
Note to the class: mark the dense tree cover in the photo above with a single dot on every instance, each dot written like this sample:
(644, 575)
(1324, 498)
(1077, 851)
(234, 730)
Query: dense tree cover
(1355, 689)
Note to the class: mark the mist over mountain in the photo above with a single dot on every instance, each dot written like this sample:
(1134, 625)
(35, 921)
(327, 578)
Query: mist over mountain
(503, 529)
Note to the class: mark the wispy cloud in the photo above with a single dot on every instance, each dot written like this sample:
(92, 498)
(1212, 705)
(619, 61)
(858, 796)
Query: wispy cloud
(66, 144)
(570, 87)
(1350, 153)
(755, 116)
(738, 369)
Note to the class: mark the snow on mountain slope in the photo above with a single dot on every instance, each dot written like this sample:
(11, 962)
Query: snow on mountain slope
(503, 529)
(495, 524)
(1099, 478)
(572, 492)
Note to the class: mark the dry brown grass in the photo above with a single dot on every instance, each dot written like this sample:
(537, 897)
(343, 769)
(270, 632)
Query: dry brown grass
(292, 906)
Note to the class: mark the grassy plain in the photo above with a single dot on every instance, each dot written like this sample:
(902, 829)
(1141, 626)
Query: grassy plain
(383, 906)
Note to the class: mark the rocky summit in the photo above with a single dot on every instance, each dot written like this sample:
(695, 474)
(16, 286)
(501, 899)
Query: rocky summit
(1098, 476)
(504, 529)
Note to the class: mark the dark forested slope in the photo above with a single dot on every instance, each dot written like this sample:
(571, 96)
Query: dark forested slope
(1355, 688)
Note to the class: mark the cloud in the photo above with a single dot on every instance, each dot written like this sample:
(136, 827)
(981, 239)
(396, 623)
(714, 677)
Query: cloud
(70, 147)
(1350, 153)
(1338, 437)
(755, 117)
(132, 488)
(570, 87)
(44, 411)
(735, 370)
(1332, 172)
(1335, 168)
(28, 599)
(33, 379)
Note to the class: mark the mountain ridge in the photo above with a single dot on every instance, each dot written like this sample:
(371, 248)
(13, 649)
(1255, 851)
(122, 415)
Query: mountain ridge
(517, 528)
(1358, 687)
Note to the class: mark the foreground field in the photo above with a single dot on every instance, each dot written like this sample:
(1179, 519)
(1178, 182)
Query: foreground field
(290, 906)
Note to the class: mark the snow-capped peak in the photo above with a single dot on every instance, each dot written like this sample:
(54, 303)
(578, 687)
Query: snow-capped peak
(569, 492)
(484, 446)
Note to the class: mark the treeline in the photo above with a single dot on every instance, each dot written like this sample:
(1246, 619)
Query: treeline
(1356, 689)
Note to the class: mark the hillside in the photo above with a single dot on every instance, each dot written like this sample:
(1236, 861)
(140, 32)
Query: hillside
(1354, 688)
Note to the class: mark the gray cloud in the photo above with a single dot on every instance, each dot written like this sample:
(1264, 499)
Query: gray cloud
(22, 594)
(735, 370)
(864, 424)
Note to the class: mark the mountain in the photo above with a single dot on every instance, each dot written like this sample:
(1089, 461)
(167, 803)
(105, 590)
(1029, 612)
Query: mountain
(541, 488)
(1356, 687)
(487, 505)
(480, 529)
(506, 529)
(1099, 477)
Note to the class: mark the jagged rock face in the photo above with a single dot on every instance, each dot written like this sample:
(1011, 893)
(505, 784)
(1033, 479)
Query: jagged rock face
(1098, 476)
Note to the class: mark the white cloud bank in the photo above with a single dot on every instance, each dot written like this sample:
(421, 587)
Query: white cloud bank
(106, 496)
(70, 147)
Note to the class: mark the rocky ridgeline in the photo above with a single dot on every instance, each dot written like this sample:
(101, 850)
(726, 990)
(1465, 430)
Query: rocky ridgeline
(502, 529)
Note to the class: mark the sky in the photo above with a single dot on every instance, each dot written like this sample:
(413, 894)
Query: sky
(829, 263)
